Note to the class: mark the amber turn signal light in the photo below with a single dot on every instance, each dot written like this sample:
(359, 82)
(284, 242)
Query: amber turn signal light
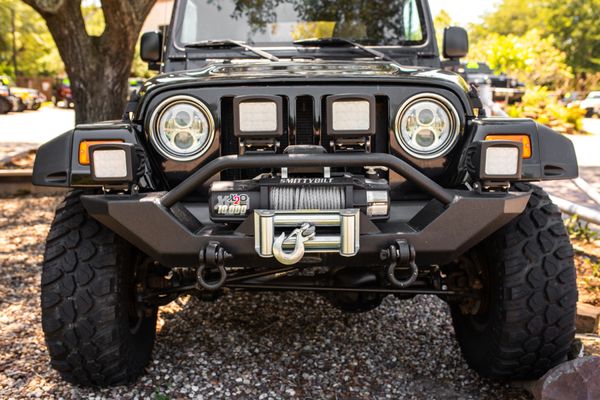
(84, 149)
(524, 139)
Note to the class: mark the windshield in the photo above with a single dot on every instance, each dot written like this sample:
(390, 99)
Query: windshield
(369, 22)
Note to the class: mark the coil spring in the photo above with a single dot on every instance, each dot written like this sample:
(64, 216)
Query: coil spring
(307, 198)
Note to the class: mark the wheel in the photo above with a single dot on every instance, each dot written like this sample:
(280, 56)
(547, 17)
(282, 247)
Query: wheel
(95, 332)
(5, 106)
(21, 106)
(526, 321)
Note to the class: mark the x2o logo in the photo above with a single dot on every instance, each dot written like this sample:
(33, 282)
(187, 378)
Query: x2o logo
(234, 204)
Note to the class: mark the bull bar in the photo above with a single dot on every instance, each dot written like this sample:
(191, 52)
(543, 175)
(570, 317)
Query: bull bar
(162, 225)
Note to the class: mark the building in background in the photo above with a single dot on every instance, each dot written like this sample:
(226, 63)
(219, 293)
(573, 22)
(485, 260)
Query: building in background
(159, 16)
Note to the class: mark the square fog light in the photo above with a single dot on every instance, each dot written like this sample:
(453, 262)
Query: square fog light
(496, 160)
(350, 115)
(502, 161)
(258, 116)
(112, 162)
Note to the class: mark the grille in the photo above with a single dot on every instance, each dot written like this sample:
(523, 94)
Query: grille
(306, 124)
(304, 120)
(229, 143)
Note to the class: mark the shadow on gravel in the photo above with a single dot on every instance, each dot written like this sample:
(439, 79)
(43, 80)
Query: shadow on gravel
(247, 344)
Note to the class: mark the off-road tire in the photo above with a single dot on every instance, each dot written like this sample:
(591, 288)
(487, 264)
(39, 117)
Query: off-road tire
(86, 302)
(531, 289)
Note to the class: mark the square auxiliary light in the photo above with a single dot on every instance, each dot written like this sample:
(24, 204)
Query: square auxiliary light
(502, 161)
(112, 162)
(350, 115)
(496, 160)
(258, 116)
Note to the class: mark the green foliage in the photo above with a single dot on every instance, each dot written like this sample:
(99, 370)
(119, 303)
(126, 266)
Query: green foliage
(573, 24)
(531, 58)
(37, 54)
(580, 230)
(93, 16)
(540, 104)
(36, 51)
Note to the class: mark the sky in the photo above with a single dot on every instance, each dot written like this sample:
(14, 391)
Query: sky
(463, 12)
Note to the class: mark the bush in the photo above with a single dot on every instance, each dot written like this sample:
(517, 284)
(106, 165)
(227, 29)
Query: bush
(543, 106)
(531, 58)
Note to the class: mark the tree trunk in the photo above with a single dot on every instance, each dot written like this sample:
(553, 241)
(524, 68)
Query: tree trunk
(102, 98)
(98, 66)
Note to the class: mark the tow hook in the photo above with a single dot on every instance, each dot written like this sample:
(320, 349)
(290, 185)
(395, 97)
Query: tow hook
(402, 254)
(301, 235)
(212, 264)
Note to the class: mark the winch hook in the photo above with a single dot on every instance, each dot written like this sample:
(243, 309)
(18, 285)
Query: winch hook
(302, 234)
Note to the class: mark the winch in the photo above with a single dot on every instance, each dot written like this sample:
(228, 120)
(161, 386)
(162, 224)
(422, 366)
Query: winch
(233, 201)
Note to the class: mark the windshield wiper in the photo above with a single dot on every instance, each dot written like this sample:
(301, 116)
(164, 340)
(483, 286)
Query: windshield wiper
(208, 44)
(340, 42)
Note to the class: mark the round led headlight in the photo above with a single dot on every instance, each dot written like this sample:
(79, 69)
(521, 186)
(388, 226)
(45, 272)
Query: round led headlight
(182, 128)
(427, 126)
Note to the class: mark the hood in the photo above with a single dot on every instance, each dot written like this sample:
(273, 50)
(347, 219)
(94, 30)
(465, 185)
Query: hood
(305, 72)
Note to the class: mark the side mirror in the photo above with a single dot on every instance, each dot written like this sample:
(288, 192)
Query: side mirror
(151, 47)
(456, 42)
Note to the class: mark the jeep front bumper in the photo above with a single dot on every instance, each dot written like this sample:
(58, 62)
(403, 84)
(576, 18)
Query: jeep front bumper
(174, 232)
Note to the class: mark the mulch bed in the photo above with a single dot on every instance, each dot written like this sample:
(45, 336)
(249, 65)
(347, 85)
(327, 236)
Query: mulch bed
(587, 262)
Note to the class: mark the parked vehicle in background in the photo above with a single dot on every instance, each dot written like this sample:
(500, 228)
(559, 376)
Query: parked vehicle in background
(61, 93)
(6, 99)
(27, 98)
(331, 155)
(591, 104)
(32, 98)
(135, 84)
(504, 88)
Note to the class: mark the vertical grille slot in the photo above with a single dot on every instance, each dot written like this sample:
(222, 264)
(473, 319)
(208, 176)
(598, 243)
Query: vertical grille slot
(229, 142)
(304, 120)
(284, 140)
(380, 141)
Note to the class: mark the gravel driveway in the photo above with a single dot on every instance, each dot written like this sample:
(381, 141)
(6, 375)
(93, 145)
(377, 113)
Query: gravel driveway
(255, 346)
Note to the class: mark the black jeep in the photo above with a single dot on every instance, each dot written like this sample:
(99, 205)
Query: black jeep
(306, 146)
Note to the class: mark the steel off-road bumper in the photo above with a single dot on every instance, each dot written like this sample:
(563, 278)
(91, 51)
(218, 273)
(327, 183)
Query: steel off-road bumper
(174, 232)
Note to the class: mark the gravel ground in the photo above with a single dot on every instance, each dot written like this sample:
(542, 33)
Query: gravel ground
(256, 346)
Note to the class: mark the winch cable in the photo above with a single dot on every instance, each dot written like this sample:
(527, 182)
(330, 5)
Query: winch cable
(308, 198)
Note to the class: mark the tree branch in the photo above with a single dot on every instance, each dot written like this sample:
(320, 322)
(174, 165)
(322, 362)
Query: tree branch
(135, 11)
(46, 6)
(124, 18)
